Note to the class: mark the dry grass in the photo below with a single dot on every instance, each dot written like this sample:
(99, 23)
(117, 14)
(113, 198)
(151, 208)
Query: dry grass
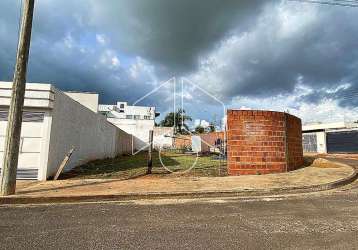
(133, 166)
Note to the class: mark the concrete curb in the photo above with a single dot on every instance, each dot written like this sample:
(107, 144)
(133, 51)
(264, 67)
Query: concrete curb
(176, 195)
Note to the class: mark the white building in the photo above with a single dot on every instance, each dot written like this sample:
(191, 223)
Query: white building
(338, 137)
(134, 120)
(163, 137)
(53, 123)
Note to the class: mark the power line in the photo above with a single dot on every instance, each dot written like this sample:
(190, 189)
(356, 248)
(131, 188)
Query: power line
(351, 3)
(334, 2)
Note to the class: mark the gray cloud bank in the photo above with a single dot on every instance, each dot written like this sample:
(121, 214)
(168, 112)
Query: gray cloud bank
(123, 49)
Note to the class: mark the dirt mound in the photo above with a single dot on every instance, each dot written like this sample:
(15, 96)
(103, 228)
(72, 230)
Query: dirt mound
(323, 163)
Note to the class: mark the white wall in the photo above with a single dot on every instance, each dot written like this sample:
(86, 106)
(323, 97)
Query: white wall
(321, 142)
(138, 128)
(325, 126)
(75, 125)
(37, 95)
(87, 99)
(163, 137)
(66, 123)
(124, 143)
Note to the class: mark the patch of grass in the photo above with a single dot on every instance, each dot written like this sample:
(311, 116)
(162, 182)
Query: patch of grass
(131, 166)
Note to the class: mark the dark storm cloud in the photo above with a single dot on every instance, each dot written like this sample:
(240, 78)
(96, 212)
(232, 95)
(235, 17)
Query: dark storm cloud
(271, 59)
(233, 48)
(170, 34)
(174, 33)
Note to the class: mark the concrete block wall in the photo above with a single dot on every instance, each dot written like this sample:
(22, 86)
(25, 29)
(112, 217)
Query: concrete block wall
(123, 143)
(92, 136)
(212, 137)
(263, 142)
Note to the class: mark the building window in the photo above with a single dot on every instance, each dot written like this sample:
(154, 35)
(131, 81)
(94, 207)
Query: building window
(129, 116)
(147, 117)
(136, 117)
(121, 106)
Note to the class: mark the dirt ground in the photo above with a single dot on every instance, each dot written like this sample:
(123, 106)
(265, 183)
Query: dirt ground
(177, 164)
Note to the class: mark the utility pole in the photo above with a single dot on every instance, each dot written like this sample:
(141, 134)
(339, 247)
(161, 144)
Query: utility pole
(13, 131)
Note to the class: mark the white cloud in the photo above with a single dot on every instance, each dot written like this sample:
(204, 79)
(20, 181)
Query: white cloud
(202, 123)
(68, 41)
(323, 110)
(267, 60)
(142, 69)
(101, 39)
(239, 57)
(292, 19)
(115, 61)
(109, 58)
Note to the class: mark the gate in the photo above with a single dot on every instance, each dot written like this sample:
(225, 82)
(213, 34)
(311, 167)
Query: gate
(342, 142)
(30, 144)
(309, 142)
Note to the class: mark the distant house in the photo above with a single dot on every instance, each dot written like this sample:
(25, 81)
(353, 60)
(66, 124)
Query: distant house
(338, 137)
(53, 123)
(135, 120)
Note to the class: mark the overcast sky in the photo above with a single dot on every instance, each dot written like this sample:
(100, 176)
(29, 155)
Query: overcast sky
(279, 55)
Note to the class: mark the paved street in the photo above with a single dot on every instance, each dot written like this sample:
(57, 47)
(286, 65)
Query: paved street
(299, 223)
(315, 221)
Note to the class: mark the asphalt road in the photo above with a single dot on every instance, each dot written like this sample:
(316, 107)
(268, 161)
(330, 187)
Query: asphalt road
(316, 221)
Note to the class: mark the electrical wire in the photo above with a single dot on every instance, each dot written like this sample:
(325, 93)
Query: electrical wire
(348, 3)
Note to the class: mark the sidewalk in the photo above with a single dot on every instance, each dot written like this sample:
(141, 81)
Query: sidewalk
(303, 180)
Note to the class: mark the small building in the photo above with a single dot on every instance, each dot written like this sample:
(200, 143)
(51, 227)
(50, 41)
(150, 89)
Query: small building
(52, 124)
(338, 137)
(134, 120)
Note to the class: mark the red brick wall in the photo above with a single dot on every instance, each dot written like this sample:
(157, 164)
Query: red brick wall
(211, 138)
(182, 141)
(294, 142)
(257, 142)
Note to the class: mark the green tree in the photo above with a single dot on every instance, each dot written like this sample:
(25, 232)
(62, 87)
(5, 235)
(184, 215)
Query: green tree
(212, 127)
(199, 129)
(180, 118)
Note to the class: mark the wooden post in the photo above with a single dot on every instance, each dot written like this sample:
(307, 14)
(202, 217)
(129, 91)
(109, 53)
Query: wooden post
(13, 131)
(150, 150)
(63, 163)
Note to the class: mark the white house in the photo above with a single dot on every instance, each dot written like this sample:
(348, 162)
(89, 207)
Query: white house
(338, 137)
(135, 120)
(53, 123)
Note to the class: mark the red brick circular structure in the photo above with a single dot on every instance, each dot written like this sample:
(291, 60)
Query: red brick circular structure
(263, 142)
